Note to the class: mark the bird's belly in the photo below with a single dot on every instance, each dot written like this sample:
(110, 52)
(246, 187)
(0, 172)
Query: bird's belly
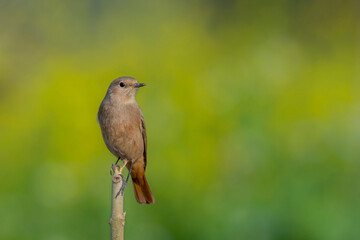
(123, 139)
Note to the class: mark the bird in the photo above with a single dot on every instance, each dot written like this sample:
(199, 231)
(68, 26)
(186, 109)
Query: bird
(123, 129)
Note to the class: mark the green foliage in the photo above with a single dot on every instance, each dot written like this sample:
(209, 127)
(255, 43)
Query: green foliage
(252, 113)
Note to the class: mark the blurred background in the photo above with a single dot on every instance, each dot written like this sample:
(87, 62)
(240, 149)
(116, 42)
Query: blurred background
(252, 111)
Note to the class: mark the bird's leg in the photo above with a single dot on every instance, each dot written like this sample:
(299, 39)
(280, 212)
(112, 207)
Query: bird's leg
(122, 188)
(123, 166)
(117, 160)
(123, 183)
(127, 179)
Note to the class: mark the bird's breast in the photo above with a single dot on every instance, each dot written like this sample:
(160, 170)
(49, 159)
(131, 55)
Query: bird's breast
(121, 132)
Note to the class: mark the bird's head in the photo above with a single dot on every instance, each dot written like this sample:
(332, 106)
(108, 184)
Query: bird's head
(124, 88)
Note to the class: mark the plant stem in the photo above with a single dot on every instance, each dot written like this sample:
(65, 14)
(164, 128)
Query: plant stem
(117, 220)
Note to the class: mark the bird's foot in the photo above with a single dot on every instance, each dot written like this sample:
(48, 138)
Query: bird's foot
(122, 188)
(113, 167)
(124, 183)
(112, 170)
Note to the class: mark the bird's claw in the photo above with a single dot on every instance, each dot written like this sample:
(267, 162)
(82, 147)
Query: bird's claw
(113, 167)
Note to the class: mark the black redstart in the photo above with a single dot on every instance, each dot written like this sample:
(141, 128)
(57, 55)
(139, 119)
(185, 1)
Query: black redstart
(124, 133)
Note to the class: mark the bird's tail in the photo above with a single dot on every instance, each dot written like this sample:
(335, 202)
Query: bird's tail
(141, 188)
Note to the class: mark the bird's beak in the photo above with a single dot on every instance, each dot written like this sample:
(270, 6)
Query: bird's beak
(140, 85)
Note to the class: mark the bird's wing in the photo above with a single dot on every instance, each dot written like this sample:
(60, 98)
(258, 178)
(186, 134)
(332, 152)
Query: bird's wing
(143, 132)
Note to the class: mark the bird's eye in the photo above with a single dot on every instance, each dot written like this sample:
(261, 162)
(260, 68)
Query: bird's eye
(122, 84)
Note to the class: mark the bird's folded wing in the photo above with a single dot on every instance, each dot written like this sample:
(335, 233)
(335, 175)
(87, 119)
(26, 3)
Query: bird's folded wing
(143, 132)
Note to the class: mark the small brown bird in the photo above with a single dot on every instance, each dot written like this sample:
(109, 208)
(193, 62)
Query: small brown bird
(124, 133)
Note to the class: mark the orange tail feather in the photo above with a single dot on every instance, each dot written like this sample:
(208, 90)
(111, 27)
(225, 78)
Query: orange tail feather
(142, 190)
